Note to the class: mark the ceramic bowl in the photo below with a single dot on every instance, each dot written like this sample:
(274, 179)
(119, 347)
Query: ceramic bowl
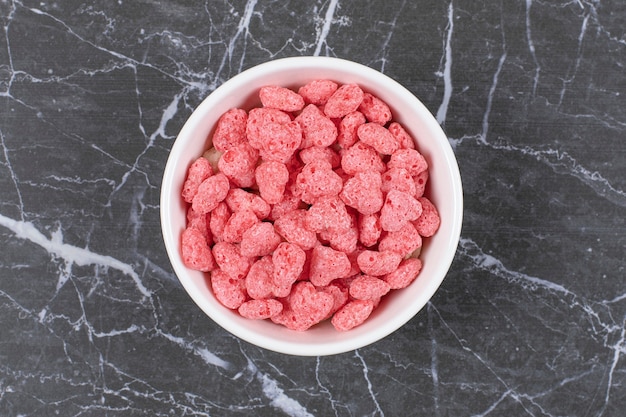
(444, 189)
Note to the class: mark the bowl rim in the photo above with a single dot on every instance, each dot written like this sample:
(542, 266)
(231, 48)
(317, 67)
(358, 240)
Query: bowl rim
(307, 346)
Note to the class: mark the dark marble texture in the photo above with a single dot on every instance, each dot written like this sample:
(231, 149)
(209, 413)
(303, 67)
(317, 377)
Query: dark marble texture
(530, 320)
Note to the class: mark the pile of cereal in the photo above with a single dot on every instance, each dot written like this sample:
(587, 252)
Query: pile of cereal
(310, 207)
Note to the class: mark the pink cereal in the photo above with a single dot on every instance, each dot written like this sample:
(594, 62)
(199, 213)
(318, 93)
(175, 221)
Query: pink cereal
(348, 126)
(378, 137)
(398, 209)
(239, 222)
(352, 314)
(317, 129)
(328, 264)
(343, 241)
(292, 226)
(271, 178)
(304, 307)
(406, 273)
(377, 263)
(317, 152)
(346, 99)
(340, 294)
(260, 279)
(196, 253)
(402, 136)
(365, 287)
(428, 222)
(288, 260)
(199, 171)
(212, 190)
(229, 291)
(230, 130)
(289, 203)
(317, 179)
(280, 141)
(405, 241)
(369, 229)
(318, 91)
(201, 223)
(238, 164)
(218, 220)
(229, 259)
(363, 192)
(281, 98)
(328, 214)
(238, 199)
(260, 309)
(420, 180)
(361, 157)
(259, 240)
(258, 121)
(409, 159)
(375, 110)
(398, 179)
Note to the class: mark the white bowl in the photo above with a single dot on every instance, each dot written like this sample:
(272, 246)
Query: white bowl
(444, 189)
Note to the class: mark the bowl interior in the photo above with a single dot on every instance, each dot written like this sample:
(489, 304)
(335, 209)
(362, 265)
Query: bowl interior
(444, 190)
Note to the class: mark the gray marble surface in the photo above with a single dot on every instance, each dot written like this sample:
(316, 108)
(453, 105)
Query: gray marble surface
(530, 320)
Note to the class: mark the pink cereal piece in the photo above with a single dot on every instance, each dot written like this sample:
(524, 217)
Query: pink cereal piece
(328, 264)
(406, 273)
(375, 110)
(409, 159)
(361, 157)
(238, 199)
(292, 226)
(259, 119)
(199, 171)
(289, 203)
(260, 309)
(340, 294)
(238, 223)
(230, 130)
(196, 253)
(328, 214)
(259, 240)
(201, 223)
(288, 260)
(304, 307)
(260, 279)
(352, 314)
(317, 129)
(229, 291)
(428, 222)
(281, 98)
(365, 287)
(218, 220)
(346, 99)
(405, 241)
(403, 137)
(238, 164)
(345, 241)
(280, 141)
(378, 263)
(229, 259)
(271, 178)
(398, 179)
(212, 190)
(369, 229)
(346, 137)
(317, 179)
(378, 137)
(398, 209)
(317, 152)
(363, 192)
(420, 180)
(318, 91)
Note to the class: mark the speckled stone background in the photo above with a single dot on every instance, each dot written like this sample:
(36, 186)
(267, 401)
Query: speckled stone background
(531, 319)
